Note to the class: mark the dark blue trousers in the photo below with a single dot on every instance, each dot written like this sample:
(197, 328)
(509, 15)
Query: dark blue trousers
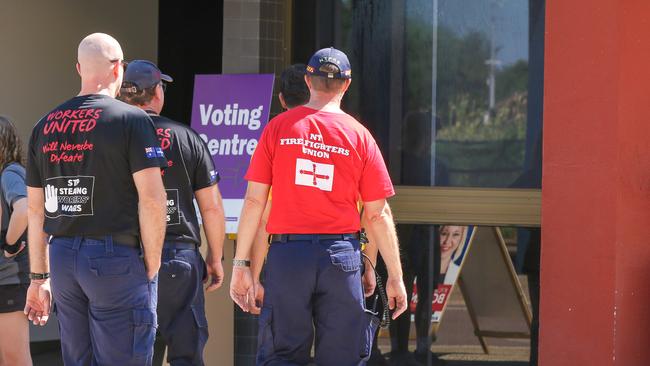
(181, 304)
(313, 288)
(104, 301)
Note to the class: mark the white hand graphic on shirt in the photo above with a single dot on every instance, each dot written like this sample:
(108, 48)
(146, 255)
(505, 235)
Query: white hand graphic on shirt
(51, 198)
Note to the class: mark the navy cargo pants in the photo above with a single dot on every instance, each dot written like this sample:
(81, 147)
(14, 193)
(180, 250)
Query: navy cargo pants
(105, 303)
(314, 286)
(181, 304)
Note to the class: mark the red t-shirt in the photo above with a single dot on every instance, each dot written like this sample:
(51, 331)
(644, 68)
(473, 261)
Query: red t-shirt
(319, 164)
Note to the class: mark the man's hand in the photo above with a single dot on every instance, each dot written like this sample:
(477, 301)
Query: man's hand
(39, 298)
(257, 301)
(152, 213)
(396, 296)
(369, 281)
(215, 272)
(241, 287)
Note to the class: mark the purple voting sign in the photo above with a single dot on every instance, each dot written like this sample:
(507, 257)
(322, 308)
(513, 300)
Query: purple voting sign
(229, 112)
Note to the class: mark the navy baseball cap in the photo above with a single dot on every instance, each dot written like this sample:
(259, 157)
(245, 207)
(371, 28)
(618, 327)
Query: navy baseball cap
(143, 74)
(330, 56)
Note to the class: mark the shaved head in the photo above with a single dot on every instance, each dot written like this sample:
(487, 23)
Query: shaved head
(97, 56)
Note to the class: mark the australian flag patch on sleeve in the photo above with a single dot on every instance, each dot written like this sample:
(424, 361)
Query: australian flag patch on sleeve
(214, 176)
(150, 152)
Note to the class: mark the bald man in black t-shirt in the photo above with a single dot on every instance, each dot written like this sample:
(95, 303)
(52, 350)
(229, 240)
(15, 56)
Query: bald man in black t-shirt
(95, 188)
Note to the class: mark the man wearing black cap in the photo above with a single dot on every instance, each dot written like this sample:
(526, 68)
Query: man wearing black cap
(319, 161)
(190, 173)
(94, 189)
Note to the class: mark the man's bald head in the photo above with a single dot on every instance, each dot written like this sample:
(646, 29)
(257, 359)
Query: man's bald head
(98, 55)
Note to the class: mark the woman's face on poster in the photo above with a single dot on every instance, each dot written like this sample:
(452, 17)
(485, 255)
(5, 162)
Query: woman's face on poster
(450, 238)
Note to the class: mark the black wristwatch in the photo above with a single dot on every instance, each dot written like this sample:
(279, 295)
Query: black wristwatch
(39, 276)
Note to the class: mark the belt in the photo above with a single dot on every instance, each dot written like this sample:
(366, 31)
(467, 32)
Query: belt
(120, 239)
(179, 245)
(283, 238)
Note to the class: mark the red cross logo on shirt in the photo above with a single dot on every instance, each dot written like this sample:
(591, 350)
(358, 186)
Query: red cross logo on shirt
(314, 174)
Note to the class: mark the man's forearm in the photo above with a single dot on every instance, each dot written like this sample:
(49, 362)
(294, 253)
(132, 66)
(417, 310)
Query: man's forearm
(152, 215)
(254, 204)
(36, 237)
(261, 244)
(215, 228)
(258, 253)
(248, 224)
(381, 229)
(214, 223)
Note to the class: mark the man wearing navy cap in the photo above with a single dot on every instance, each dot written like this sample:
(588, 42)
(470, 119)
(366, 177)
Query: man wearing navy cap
(190, 174)
(319, 161)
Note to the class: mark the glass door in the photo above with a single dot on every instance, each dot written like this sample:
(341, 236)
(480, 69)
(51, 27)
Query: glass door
(452, 90)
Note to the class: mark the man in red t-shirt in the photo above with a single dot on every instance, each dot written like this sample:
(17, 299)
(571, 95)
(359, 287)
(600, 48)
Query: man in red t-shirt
(319, 160)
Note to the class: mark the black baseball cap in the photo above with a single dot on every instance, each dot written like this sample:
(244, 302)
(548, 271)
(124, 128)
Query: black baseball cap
(143, 74)
(330, 56)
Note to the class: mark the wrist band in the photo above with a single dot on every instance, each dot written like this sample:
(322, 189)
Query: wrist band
(39, 276)
(13, 248)
(241, 263)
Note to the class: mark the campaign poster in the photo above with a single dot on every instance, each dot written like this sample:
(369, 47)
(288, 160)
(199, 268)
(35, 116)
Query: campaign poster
(454, 243)
(229, 112)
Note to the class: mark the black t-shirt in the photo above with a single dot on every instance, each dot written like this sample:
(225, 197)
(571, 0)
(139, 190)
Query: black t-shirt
(189, 168)
(83, 153)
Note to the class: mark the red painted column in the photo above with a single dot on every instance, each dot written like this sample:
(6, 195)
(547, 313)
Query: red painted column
(595, 299)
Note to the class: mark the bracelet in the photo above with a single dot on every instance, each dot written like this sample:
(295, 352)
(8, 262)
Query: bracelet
(241, 263)
(39, 276)
(12, 248)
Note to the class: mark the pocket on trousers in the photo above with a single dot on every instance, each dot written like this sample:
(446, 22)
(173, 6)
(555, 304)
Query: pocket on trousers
(144, 332)
(110, 266)
(175, 268)
(265, 338)
(344, 256)
(370, 325)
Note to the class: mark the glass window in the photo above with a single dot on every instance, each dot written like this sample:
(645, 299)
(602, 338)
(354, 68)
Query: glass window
(451, 89)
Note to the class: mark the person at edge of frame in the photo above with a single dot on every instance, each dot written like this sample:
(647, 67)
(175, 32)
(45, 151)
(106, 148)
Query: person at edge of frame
(14, 264)
(94, 188)
(319, 161)
(293, 92)
(190, 174)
